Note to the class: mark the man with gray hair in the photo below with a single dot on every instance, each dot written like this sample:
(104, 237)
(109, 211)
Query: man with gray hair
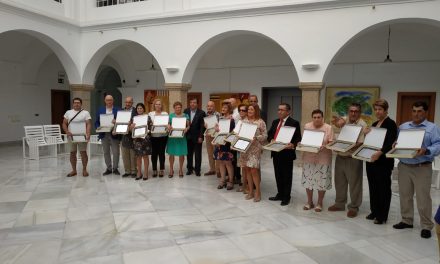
(109, 140)
(127, 148)
(213, 168)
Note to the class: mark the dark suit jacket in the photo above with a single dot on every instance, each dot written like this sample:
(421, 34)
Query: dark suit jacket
(288, 154)
(102, 110)
(390, 138)
(196, 127)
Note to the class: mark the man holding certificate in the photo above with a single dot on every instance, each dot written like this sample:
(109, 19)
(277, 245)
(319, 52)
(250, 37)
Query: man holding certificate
(348, 171)
(283, 160)
(194, 137)
(109, 139)
(76, 126)
(211, 120)
(127, 147)
(415, 174)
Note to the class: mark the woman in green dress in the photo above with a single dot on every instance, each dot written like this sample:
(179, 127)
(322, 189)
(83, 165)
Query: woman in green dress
(177, 146)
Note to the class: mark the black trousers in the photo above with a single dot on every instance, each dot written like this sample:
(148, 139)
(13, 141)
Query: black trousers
(194, 149)
(283, 175)
(158, 145)
(379, 185)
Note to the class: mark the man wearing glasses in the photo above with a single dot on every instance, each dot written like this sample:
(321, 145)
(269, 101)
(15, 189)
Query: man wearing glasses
(348, 171)
(283, 160)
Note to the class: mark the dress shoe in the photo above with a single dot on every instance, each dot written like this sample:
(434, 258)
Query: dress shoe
(334, 208)
(125, 175)
(370, 216)
(133, 175)
(352, 213)
(274, 198)
(285, 202)
(198, 174)
(379, 222)
(209, 173)
(116, 172)
(189, 172)
(107, 172)
(402, 225)
(425, 233)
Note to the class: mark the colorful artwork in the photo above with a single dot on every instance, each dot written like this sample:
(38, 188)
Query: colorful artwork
(338, 99)
(218, 98)
(151, 95)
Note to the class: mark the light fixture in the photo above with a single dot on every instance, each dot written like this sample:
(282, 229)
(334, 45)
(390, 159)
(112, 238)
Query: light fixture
(152, 68)
(310, 66)
(388, 59)
(172, 69)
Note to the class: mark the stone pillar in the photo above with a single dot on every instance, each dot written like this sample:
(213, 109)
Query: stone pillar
(177, 92)
(310, 99)
(82, 91)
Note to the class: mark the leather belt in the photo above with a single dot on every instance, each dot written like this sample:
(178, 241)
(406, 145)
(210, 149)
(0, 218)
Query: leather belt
(426, 163)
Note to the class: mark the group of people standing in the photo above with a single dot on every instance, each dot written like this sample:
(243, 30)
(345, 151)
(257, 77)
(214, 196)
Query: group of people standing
(414, 174)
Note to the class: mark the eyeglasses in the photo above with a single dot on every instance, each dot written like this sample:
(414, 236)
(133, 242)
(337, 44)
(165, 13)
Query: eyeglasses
(242, 110)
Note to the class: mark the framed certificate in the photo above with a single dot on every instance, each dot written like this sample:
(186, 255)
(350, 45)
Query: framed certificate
(346, 139)
(122, 122)
(311, 141)
(231, 137)
(284, 137)
(210, 122)
(408, 142)
(224, 126)
(160, 124)
(178, 125)
(245, 137)
(372, 143)
(141, 126)
(106, 123)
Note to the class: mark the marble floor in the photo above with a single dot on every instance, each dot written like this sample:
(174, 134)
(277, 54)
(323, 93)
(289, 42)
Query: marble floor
(48, 218)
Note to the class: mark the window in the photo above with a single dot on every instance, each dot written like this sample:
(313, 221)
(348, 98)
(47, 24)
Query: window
(101, 3)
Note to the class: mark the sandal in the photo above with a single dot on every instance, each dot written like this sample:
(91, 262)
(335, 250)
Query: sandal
(318, 208)
(154, 174)
(256, 200)
(230, 186)
(249, 196)
(307, 207)
(71, 174)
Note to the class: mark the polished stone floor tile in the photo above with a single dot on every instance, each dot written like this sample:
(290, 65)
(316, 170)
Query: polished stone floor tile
(46, 217)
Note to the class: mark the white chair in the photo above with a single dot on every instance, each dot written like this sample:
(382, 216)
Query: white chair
(34, 139)
(52, 134)
(93, 142)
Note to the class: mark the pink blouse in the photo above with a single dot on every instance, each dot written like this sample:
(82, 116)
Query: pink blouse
(325, 155)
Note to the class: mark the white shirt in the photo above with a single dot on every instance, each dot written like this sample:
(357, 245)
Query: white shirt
(235, 115)
(81, 117)
(152, 114)
(109, 110)
(193, 113)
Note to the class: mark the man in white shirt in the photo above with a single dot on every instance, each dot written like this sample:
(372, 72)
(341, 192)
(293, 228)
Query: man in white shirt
(77, 116)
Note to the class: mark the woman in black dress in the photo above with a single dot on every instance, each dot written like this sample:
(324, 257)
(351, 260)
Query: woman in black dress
(380, 169)
(142, 147)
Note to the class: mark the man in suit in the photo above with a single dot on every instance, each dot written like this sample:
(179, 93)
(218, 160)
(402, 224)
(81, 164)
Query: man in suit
(283, 160)
(194, 137)
(108, 139)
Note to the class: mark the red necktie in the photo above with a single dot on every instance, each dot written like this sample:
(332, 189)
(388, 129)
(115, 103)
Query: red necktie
(278, 129)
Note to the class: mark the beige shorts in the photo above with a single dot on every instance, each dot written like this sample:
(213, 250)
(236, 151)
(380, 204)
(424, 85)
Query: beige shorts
(75, 146)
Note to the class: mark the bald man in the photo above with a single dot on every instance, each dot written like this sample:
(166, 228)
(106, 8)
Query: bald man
(109, 141)
(127, 147)
(213, 168)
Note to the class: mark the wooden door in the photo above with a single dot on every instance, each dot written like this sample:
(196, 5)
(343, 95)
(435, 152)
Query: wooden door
(405, 101)
(60, 103)
(194, 95)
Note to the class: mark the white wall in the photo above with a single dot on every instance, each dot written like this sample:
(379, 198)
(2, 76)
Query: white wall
(23, 100)
(392, 78)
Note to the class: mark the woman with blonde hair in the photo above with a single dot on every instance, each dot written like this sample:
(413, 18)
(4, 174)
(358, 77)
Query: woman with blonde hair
(158, 141)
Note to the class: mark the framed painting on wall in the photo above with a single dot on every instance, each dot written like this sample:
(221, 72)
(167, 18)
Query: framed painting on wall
(337, 100)
(151, 95)
(218, 98)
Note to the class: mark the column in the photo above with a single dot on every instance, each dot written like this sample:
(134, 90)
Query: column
(177, 92)
(82, 91)
(310, 98)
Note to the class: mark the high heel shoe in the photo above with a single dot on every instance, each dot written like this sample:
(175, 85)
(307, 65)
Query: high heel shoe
(138, 177)
(145, 178)
(180, 174)
(171, 174)
(161, 173)
(154, 174)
